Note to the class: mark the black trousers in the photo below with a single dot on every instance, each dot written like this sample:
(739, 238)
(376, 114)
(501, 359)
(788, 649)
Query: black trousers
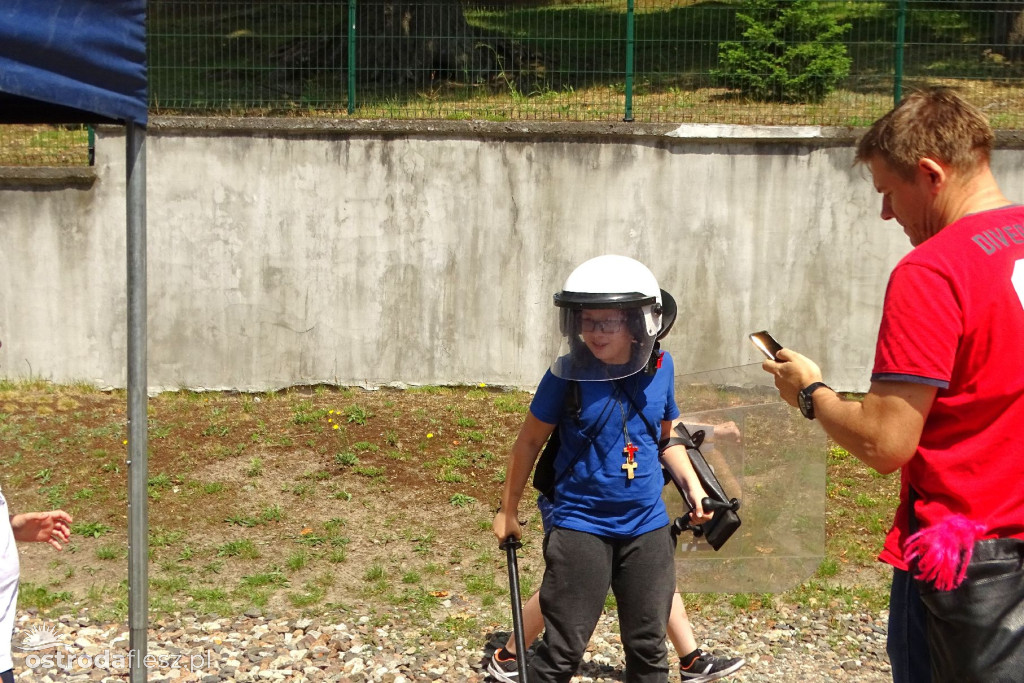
(976, 631)
(580, 568)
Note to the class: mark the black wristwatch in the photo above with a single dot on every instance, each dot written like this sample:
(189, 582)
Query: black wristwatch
(805, 400)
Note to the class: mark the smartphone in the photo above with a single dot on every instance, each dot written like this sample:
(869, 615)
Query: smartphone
(766, 342)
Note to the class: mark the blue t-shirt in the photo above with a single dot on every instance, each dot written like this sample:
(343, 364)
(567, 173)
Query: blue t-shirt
(596, 496)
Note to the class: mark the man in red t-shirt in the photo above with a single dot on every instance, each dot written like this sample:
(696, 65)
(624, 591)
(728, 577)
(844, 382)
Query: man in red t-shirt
(946, 402)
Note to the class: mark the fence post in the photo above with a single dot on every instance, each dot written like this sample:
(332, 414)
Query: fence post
(901, 30)
(351, 56)
(629, 60)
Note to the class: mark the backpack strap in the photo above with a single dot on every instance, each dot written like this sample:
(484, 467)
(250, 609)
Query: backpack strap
(574, 401)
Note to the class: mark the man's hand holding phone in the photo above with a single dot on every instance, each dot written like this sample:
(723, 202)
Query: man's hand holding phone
(792, 373)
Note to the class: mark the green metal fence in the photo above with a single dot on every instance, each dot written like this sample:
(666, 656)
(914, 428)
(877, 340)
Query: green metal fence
(582, 60)
(596, 60)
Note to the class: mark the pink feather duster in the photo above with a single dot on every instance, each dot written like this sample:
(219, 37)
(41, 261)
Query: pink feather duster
(944, 550)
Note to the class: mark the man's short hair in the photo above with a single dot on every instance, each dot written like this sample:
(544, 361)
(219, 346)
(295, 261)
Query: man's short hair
(935, 123)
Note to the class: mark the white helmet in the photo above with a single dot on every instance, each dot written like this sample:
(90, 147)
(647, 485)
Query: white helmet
(603, 285)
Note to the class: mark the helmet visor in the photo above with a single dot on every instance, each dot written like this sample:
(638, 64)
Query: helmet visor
(600, 344)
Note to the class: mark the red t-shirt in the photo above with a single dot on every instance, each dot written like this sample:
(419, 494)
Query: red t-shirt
(954, 318)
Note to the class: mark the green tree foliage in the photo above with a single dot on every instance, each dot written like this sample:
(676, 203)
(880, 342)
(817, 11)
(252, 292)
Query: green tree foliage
(791, 51)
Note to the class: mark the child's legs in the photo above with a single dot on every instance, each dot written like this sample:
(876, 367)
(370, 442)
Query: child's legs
(533, 623)
(576, 578)
(679, 630)
(644, 581)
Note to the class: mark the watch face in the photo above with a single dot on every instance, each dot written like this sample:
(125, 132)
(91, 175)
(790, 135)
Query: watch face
(806, 404)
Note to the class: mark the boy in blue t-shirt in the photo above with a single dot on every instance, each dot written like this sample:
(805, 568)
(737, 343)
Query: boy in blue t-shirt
(609, 524)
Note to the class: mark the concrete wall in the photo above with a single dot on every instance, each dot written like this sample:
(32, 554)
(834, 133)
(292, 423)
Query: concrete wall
(284, 253)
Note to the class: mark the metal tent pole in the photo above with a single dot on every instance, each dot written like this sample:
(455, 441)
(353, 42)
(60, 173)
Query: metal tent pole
(138, 512)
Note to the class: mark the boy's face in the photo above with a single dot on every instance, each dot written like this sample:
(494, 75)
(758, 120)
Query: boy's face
(607, 336)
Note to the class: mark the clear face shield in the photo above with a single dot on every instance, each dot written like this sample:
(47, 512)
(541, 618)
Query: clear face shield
(605, 340)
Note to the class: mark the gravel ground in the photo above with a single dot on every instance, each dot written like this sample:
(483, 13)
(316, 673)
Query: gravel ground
(783, 644)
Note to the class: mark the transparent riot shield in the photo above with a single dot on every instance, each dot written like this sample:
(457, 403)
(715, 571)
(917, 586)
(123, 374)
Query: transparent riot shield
(769, 457)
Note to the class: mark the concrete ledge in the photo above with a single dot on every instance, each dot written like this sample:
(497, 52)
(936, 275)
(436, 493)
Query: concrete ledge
(538, 130)
(47, 176)
(535, 130)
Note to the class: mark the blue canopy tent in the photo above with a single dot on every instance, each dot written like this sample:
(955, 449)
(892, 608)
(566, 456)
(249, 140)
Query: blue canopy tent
(84, 61)
(77, 61)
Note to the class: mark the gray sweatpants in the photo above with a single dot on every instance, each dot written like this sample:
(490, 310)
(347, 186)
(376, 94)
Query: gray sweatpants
(580, 567)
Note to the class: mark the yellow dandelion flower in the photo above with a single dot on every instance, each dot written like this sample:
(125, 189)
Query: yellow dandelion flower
(430, 435)
(483, 384)
(334, 426)
(125, 442)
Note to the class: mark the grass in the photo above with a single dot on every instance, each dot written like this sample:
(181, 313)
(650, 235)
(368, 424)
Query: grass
(243, 549)
(461, 500)
(93, 529)
(109, 552)
(265, 516)
(44, 145)
(32, 596)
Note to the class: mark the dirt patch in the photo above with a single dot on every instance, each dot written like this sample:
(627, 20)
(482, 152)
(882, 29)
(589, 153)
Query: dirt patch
(309, 497)
(377, 503)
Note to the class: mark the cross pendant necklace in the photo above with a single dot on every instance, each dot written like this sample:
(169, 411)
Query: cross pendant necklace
(630, 450)
(630, 463)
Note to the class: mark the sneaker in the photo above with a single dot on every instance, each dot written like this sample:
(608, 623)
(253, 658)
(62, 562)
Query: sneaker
(708, 667)
(505, 670)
